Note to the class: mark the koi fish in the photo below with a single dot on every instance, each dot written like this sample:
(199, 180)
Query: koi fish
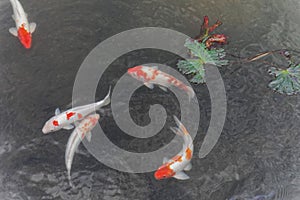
(65, 119)
(23, 29)
(151, 75)
(182, 161)
(79, 133)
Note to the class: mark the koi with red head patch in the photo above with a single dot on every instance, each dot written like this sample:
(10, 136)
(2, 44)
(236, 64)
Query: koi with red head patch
(151, 76)
(23, 29)
(66, 119)
(139, 73)
(80, 132)
(181, 162)
(164, 172)
(24, 37)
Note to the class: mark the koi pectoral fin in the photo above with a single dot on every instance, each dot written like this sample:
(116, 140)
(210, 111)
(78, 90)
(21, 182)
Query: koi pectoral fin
(165, 160)
(163, 88)
(188, 167)
(13, 31)
(89, 136)
(68, 127)
(57, 111)
(181, 176)
(149, 85)
(32, 27)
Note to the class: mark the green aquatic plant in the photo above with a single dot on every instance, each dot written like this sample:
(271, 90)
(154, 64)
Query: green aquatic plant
(200, 56)
(287, 81)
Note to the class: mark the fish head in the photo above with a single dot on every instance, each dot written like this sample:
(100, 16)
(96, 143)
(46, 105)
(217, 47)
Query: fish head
(137, 72)
(24, 37)
(51, 125)
(164, 172)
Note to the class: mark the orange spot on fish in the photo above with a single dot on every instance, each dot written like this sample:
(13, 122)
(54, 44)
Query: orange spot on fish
(70, 114)
(24, 37)
(164, 172)
(139, 72)
(55, 123)
(79, 116)
(188, 152)
(154, 74)
(177, 158)
(134, 69)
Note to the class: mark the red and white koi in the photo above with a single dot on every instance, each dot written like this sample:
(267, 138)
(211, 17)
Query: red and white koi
(23, 29)
(80, 132)
(182, 161)
(65, 119)
(151, 75)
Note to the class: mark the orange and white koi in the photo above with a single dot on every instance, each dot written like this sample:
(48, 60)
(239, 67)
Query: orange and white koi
(182, 161)
(65, 119)
(23, 29)
(80, 132)
(151, 75)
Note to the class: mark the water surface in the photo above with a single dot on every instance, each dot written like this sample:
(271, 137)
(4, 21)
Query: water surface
(257, 153)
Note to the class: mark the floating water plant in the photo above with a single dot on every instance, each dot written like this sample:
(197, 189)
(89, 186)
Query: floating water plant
(201, 52)
(287, 81)
(200, 56)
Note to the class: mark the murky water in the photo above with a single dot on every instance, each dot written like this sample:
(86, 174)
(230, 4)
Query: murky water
(257, 153)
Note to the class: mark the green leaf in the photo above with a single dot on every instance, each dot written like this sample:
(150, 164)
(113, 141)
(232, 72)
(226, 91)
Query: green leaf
(286, 81)
(201, 55)
(193, 67)
(213, 56)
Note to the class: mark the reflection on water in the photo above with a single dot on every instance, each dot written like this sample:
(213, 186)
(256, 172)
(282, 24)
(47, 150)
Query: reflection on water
(259, 148)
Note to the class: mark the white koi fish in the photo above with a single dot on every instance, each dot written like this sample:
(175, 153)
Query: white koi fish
(151, 75)
(23, 29)
(66, 119)
(182, 161)
(79, 133)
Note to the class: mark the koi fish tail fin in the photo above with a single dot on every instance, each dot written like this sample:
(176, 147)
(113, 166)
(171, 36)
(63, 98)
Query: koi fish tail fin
(12, 1)
(181, 130)
(107, 98)
(190, 92)
(177, 131)
(105, 101)
(69, 179)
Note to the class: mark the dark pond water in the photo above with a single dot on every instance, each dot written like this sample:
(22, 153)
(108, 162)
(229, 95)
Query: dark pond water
(259, 149)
